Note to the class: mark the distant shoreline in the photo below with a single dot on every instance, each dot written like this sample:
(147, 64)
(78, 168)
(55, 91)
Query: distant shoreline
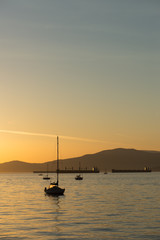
(104, 161)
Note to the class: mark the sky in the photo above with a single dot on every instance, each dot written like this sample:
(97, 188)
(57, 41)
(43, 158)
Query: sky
(86, 71)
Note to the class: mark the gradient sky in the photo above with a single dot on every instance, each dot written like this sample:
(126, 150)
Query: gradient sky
(86, 69)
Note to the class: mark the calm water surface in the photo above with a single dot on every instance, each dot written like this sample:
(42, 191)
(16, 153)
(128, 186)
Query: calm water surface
(102, 206)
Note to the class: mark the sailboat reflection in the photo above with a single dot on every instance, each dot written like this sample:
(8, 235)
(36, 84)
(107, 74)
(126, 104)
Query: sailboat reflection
(55, 212)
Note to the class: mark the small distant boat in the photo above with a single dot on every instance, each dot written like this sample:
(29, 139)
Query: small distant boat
(79, 177)
(54, 188)
(46, 177)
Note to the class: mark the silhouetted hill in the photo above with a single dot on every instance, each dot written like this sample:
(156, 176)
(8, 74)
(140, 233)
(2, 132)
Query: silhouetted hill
(19, 166)
(105, 160)
(117, 159)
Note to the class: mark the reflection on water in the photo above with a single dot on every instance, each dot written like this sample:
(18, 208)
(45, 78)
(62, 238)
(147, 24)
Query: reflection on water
(112, 206)
(55, 201)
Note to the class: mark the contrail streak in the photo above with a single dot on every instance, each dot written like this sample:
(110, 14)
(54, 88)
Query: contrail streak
(50, 135)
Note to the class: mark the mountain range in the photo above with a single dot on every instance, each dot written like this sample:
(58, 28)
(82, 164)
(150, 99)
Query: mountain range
(106, 160)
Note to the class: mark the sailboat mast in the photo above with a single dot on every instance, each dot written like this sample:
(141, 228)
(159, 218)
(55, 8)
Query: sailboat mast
(57, 160)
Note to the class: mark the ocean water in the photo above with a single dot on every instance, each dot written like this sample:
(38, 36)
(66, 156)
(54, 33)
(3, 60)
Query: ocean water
(101, 206)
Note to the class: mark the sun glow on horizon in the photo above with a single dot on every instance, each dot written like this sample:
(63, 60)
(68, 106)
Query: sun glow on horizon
(41, 147)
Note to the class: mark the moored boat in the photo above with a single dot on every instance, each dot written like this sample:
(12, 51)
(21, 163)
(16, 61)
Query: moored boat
(79, 177)
(46, 177)
(54, 188)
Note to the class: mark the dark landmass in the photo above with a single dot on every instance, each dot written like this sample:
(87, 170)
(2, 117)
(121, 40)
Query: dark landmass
(105, 161)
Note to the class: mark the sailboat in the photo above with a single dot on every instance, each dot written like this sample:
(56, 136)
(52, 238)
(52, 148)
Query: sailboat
(54, 188)
(79, 177)
(46, 177)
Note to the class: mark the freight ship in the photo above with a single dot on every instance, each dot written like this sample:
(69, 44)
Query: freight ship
(93, 170)
(146, 169)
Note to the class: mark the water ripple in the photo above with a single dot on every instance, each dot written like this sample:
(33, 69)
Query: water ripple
(112, 206)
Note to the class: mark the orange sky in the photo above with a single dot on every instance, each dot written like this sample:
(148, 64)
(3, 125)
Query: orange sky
(35, 147)
(87, 72)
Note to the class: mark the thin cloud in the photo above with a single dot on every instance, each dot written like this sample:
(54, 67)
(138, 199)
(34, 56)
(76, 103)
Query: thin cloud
(50, 135)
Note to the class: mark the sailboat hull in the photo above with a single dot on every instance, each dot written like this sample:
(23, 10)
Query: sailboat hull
(54, 190)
